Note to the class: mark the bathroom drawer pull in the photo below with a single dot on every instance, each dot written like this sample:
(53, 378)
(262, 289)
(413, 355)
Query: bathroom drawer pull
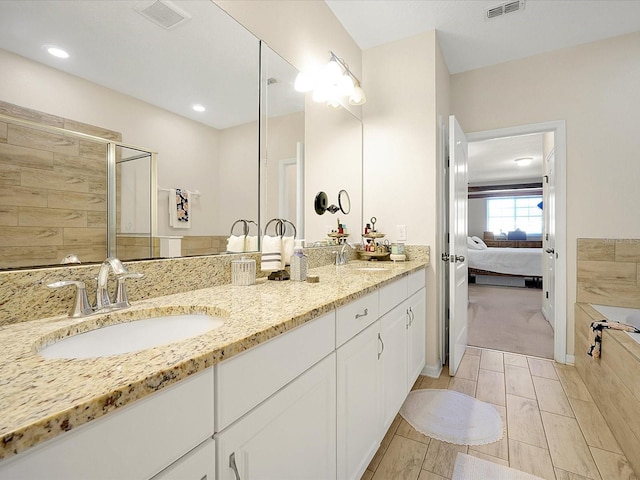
(382, 345)
(366, 312)
(232, 465)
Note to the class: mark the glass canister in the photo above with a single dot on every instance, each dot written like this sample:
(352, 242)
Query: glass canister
(243, 272)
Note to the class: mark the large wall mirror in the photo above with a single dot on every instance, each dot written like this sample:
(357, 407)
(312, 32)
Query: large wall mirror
(282, 137)
(131, 77)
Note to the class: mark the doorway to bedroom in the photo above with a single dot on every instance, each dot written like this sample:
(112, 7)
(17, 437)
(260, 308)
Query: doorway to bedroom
(508, 225)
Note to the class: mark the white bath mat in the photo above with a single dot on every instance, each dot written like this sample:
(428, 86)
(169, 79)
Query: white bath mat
(452, 417)
(468, 467)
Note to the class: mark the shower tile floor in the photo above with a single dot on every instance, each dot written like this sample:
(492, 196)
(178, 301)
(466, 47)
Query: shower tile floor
(553, 428)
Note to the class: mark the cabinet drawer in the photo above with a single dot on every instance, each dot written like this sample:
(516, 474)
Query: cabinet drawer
(135, 442)
(392, 295)
(355, 317)
(242, 382)
(417, 281)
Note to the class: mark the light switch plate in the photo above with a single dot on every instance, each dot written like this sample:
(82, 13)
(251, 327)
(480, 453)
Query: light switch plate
(401, 233)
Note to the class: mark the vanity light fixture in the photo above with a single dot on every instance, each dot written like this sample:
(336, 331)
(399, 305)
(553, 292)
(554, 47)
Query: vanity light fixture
(198, 108)
(332, 83)
(55, 51)
(523, 162)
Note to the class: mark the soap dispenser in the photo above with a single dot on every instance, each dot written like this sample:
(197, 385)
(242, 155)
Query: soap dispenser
(298, 263)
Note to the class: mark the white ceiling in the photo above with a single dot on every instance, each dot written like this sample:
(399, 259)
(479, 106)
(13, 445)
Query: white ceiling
(469, 42)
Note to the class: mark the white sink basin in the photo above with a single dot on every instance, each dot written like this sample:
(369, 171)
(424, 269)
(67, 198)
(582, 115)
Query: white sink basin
(132, 336)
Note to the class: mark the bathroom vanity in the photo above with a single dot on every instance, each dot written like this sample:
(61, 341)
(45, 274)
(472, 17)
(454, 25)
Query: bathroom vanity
(301, 381)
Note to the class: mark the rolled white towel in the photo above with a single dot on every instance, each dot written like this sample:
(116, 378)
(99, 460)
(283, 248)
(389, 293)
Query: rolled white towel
(271, 260)
(287, 249)
(236, 244)
(251, 243)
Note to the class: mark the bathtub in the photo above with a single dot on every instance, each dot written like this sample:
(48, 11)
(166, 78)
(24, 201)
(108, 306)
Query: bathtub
(630, 316)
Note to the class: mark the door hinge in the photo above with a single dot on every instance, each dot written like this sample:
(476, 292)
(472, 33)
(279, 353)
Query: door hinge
(546, 179)
(448, 239)
(546, 237)
(546, 294)
(448, 317)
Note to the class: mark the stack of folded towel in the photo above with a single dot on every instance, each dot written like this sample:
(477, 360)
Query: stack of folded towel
(276, 252)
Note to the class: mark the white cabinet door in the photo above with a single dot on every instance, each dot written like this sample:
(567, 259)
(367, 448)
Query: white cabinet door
(359, 402)
(289, 436)
(416, 306)
(199, 464)
(393, 332)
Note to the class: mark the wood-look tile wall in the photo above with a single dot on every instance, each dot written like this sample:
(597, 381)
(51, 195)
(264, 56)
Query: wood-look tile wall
(52, 191)
(613, 380)
(609, 272)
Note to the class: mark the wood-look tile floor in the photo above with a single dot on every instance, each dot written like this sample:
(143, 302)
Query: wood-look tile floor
(552, 427)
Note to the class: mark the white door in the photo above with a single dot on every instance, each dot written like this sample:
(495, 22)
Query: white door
(549, 239)
(458, 270)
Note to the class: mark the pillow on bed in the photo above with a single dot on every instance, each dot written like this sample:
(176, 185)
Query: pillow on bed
(476, 243)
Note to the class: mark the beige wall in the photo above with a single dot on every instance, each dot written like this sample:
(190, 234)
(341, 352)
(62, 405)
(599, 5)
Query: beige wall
(400, 172)
(594, 88)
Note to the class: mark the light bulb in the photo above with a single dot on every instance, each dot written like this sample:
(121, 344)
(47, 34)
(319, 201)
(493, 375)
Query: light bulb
(332, 72)
(346, 85)
(55, 51)
(357, 97)
(304, 82)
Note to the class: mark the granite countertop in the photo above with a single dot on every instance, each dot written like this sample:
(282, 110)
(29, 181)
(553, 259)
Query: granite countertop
(41, 398)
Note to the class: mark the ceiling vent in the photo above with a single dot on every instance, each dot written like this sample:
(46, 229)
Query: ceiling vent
(502, 9)
(165, 14)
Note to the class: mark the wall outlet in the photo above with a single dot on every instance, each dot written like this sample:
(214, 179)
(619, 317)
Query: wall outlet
(401, 233)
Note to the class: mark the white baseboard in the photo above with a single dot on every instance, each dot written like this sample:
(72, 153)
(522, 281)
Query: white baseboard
(570, 359)
(432, 371)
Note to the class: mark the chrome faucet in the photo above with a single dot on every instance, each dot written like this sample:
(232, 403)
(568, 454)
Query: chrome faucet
(81, 306)
(102, 292)
(341, 256)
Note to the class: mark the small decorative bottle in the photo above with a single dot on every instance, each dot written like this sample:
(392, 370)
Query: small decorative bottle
(298, 263)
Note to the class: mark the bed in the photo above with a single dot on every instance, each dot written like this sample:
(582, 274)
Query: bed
(524, 262)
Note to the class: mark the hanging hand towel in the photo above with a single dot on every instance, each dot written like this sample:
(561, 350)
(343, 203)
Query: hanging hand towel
(179, 208)
(251, 243)
(271, 260)
(235, 244)
(287, 249)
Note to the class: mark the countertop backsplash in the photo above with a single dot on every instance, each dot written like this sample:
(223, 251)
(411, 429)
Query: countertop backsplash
(24, 295)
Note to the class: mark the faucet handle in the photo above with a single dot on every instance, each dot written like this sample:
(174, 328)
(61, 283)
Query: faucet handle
(121, 290)
(81, 306)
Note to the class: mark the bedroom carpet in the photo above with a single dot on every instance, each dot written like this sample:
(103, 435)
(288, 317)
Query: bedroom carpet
(509, 319)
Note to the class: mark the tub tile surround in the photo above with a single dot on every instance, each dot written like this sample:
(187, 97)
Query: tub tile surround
(41, 398)
(609, 274)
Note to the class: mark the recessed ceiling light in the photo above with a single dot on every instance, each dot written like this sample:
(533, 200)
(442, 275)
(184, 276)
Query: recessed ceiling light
(523, 162)
(199, 108)
(55, 51)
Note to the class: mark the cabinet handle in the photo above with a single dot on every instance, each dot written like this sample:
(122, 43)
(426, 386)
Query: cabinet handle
(232, 465)
(381, 343)
(366, 312)
(204, 478)
(411, 316)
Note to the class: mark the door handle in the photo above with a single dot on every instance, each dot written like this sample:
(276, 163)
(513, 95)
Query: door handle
(457, 258)
(550, 250)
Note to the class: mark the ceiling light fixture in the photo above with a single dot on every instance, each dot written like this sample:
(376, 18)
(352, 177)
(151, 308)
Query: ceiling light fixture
(198, 108)
(523, 162)
(334, 81)
(55, 51)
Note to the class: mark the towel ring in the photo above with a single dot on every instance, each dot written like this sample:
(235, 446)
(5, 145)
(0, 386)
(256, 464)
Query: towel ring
(245, 228)
(281, 227)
